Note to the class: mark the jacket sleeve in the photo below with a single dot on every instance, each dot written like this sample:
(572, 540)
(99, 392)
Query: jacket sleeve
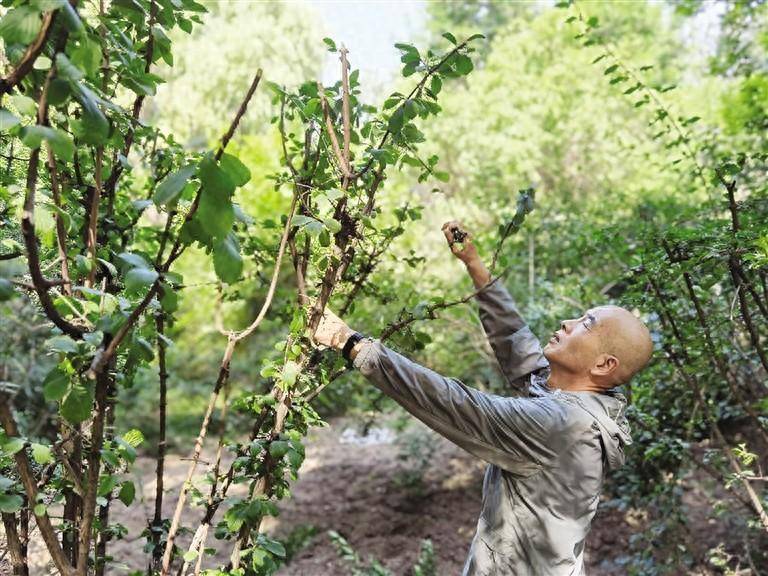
(512, 433)
(517, 349)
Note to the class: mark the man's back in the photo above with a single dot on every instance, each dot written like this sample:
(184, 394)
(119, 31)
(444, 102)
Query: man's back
(535, 520)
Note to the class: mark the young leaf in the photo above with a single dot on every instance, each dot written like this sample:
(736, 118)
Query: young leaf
(41, 453)
(172, 185)
(61, 143)
(127, 492)
(227, 261)
(237, 172)
(56, 384)
(76, 406)
(138, 278)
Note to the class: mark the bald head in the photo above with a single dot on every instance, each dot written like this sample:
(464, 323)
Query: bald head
(625, 336)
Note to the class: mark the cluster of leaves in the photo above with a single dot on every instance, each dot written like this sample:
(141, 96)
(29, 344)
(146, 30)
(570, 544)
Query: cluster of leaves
(692, 272)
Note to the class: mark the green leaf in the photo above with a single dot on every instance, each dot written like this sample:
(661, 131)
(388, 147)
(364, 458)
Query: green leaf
(56, 384)
(95, 127)
(332, 224)
(463, 64)
(171, 186)
(216, 213)
(237, 172)
(10, 503)
(41, 453)
(24, 104)
(133, 437)
(107, 483)
(435, 85)
(450, 37)
(169, 299)
(227, 261)
(6, 289)
(86, 55)
(59, 91)
(274, 547)
(12, 445)
(190, 555)
(133, 260)
(290, 372)
(138, 278)
(20, 25)
(396, 121)
(7, 120)
(330, 43)
(127, 493)
(76, 406)
(279, 448)
(611, 69)
(61, 143)
(40, 509)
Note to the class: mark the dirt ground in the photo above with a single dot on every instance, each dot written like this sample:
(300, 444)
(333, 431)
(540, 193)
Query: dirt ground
(360, 490)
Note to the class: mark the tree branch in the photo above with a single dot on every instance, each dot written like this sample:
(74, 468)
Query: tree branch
(30, 55)
(28, 480)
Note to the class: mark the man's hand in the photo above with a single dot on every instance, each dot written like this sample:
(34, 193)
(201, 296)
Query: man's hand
(460, 241)
(332, 331)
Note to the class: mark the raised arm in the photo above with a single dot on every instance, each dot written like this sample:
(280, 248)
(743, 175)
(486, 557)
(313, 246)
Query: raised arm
(517, 349)
(517, 434)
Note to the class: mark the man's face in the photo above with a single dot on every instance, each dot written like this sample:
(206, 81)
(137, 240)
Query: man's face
(577, 343)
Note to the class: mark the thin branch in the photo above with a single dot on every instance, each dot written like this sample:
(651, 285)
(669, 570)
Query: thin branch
(332, 133)
(220, 381)
(93, 213)
(28, 480)
(345, 107)
(30, 55)
(94, 467)
(61, 233)
(101, 358)
(415, 90)
(157, 519)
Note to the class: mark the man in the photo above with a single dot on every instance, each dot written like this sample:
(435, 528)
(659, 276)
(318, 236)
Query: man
(549, 445)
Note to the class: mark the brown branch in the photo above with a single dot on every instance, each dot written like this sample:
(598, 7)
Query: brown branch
(33, 258)
(415, 90)
(30, 55)
(61, 233)
(220, 381)
(13, 542)
(177, 249)
(747, 283)
(94, 467)
(745, 313)
(240, 113)
(432, 308)
(345, 107)
(117, 167)
(104, 356)
(11, 255)
(157, 520)
(332, 133)
(693, 384)
(28, 481)
(93, 219)
(717, 359)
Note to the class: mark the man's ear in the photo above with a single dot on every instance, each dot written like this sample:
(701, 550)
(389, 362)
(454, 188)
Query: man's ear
(606, 365)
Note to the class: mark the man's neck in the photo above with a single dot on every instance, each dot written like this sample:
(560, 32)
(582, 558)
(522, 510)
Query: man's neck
(569, 382)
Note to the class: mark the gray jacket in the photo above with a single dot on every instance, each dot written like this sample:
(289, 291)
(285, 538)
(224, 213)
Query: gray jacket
(548, 449)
